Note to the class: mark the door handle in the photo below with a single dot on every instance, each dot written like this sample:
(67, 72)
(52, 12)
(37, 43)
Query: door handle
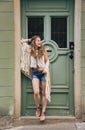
(71, 54)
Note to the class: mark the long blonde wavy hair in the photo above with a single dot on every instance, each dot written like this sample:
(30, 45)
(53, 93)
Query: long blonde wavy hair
(40, 50)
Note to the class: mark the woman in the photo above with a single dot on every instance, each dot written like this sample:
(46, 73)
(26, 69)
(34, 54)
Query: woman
(39, 66)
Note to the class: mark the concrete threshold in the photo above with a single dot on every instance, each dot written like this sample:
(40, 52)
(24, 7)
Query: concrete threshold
(31, 120)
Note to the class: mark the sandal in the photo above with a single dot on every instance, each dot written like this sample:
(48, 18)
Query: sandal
(38, 111)
(42, 118)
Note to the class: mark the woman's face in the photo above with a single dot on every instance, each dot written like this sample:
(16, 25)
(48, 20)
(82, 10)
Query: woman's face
(38, 42)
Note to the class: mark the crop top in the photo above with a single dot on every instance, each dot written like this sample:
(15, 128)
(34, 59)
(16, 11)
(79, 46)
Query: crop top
(40, 62)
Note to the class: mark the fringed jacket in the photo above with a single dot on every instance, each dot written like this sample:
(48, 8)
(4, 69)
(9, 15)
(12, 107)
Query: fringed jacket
(25, 67)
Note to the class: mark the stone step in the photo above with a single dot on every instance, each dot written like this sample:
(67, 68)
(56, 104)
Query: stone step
(30, 120)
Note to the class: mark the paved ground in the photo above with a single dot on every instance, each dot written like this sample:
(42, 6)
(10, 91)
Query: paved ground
(58, 126)
(25, 123)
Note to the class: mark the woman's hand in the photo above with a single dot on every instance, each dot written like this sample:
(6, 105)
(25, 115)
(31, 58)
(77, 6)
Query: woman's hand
(44, 71)
(25, 40)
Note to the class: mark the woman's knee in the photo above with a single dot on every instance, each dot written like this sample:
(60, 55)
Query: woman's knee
(43, 93)
(36, 92)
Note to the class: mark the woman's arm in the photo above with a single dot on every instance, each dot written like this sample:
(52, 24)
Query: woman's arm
(25, 40)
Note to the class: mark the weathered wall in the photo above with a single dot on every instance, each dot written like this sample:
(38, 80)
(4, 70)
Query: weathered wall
(83, 57)
(6, 57)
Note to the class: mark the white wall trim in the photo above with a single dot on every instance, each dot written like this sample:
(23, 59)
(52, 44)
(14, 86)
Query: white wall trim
(17, 75)
(77, 59)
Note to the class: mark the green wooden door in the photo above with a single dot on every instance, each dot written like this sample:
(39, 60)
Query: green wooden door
(54, 23)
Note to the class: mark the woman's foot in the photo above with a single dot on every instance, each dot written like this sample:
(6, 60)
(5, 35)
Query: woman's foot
(38, 111)
(42, 117)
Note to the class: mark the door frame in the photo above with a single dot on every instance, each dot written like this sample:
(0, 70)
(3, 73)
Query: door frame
(77, 63)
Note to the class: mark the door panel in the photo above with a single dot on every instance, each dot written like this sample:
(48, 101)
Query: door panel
(60, 79)
(56, 32)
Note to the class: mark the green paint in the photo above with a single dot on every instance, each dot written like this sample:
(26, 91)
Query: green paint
(6, 57)
(61, 68)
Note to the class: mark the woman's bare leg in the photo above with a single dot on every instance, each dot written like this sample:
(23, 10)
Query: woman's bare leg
(44, 100)
(35, 84)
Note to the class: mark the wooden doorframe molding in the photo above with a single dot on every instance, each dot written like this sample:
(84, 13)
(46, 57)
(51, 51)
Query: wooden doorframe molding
(77, 59)
(17, 74)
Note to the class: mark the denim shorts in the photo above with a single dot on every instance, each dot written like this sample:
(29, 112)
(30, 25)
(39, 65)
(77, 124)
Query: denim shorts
(38, 75)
